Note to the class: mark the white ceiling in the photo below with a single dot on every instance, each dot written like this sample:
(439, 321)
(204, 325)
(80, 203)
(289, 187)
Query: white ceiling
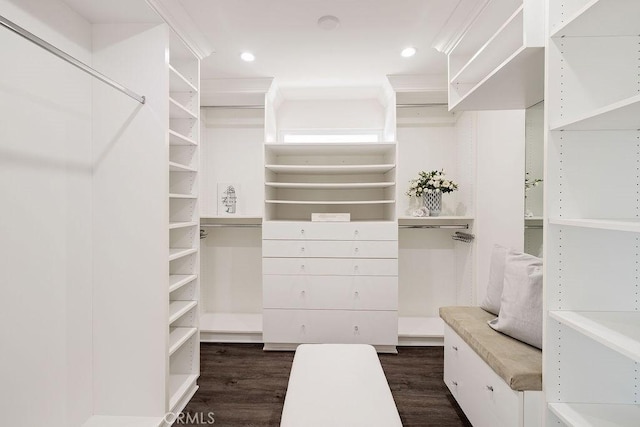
(289, 45)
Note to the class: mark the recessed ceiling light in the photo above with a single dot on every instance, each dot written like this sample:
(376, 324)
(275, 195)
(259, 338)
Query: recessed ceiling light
(408, 52)
(328, 22)
(247, 56)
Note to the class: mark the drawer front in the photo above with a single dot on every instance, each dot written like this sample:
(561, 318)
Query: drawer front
(305, 230)
(330, 326)
(483, 396)
(330, 266)
(330, 249)
(497, 403)
(453, 353)
(330, 292)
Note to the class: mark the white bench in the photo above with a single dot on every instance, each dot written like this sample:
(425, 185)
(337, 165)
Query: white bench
(338, 385)
(496, 380)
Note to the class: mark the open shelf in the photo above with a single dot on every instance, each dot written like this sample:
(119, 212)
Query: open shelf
(602, 18)
(516, 83)
(178, 167)
(231, 322)
(176, 281)
(330, 148)
(174, 225)
(330, 202)
(231, 327)
(176, 138)
(178, 82)
(116, 421)
(329, 185)
(500, 46)
(178, 309)
(623, 114)
(180, 386)
(619, 331)
(179, 336)
(179, 111)
(596, 415)
(420, 327)
(632, 224)
(330, 169)
(176, 253)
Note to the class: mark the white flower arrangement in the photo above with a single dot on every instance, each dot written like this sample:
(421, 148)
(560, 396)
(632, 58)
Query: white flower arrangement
(530, 183)
(430, 182)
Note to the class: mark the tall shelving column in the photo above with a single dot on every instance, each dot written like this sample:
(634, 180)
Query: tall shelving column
(592, 230)
(184, 230)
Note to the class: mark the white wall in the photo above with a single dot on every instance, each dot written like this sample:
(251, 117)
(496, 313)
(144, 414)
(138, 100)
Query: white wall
(130, 219)
(231, 258)
(500, 137)
(331, 114)
(428, 261)
(45, 223)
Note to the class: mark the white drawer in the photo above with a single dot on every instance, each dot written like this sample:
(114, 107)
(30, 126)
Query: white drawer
(305, 230)
(483, 396)
(331, 266)
(330, 292)
(330, 326)
(330, 248)
(453, 353)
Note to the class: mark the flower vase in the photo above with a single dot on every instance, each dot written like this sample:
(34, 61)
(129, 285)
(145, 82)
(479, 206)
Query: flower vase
(433, 202)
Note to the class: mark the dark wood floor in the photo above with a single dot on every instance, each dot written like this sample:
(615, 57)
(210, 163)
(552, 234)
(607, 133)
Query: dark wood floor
(245, 386)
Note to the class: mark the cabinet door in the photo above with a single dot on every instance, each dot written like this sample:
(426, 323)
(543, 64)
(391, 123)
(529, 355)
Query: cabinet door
(330, 248)
(331, 292)
(331, 266)
(304, 230)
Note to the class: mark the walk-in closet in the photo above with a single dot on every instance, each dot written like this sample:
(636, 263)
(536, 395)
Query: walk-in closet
(208, 201)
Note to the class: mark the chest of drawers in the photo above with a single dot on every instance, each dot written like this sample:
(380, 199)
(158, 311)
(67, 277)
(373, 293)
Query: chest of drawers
(330, 283)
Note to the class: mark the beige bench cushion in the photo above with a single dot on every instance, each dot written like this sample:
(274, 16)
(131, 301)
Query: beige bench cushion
(519, 364)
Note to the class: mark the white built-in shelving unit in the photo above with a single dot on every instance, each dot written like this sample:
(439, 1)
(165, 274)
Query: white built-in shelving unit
(498, 62)
(184, 241)
(592, 344)
(355, 178)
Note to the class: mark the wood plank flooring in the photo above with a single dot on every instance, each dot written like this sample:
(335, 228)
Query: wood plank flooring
(245, 386)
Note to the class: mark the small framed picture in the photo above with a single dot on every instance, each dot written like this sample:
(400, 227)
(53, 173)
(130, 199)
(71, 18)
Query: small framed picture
(228, 198)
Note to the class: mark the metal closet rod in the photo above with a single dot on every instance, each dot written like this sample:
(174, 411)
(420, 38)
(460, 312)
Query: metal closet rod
(453, 227)
(261, 107)
(68, 58)
(232, 225)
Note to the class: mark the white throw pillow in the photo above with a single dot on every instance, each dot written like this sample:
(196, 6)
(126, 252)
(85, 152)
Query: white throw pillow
(491, 301)
(520, 314)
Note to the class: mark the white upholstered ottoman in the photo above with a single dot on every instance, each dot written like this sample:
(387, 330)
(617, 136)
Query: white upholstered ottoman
(338, 385)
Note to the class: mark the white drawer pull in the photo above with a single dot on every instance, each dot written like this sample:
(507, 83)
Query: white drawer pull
(303, 328)
(356, 232)
(356, 250)
(454, 347)
(302, 267)
(302, 231)
(355, 268)
(355, 329)
(302, 293)
(490, 388)
(302, 249)
(356, 294)
(455, 383)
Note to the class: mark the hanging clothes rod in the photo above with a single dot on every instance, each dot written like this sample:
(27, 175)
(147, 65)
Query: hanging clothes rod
(68, 58)
(232, 225)
(434, 104)
(534, 227)
(453, 227)
(235, 107)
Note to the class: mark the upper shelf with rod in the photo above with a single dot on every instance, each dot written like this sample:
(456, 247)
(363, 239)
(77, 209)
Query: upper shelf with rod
(68, 58)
